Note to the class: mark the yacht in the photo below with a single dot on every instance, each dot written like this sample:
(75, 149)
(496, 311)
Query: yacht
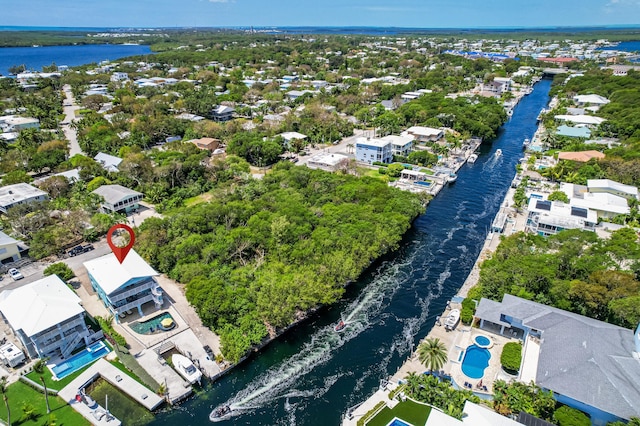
(185, 367)
(472, 158)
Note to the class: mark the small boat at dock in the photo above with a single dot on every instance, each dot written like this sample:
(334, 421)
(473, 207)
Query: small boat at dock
(185, 367)
(525, 143)
(452, 319)
(472, 158)
(452, 177)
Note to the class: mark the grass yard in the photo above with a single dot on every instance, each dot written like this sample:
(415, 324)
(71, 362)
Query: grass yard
(409, 411)
(20, 395)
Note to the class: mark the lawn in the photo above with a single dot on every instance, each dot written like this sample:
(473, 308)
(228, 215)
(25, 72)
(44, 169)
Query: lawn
(409, 411)
(20, 394)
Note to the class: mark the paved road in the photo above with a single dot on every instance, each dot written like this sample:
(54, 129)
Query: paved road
(70, 108)
(341, 147)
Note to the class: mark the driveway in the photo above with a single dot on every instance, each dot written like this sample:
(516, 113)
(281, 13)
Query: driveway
(69, 108)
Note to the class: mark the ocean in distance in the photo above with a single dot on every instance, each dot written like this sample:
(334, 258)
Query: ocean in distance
(34, 58)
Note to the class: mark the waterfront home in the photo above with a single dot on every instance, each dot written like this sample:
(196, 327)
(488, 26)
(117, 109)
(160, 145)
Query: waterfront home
(587, 120)
(612, 187)
(588, 100)
(573, 132)
(550, 217)
(474, 415)
(606, 205)
(371, 150)
(124, 286)
(47, 317)
(588, 364)
(19, 193)
(581, 156)
(108, 162)
(401, 145)
(118, 199)
(424, 134)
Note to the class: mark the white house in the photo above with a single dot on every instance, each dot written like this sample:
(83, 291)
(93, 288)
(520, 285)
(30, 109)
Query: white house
(108, 162)
(550, 217)
(370, 150)
(12, 123)
(222, 113)
(20, 193)
(118, 198)
(9, 249)
(612, 187)
(401, 145)
(327, 161)
(424, 134)
(47, 317)
(124, 286)
(588, 120)
(584, 100)
(290, 136)
(605, 204)
(119, 76)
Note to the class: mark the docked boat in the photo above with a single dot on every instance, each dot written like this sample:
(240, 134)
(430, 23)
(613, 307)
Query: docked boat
(220, 414)
(472, 158)
(452, 177)
(525, 143)
(340, 326)
(498, 152)
(452, 319)
(186, 368)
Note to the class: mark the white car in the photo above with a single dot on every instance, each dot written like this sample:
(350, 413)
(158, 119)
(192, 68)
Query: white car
(15, 274)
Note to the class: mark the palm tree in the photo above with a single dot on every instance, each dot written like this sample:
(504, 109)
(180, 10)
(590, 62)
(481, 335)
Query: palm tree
(432, 353)
(3, 391)
(38, 367)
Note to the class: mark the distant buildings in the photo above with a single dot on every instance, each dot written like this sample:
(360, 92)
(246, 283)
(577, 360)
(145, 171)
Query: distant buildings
(108, 162)
(222, 113)
(13, 123)
(20, 193)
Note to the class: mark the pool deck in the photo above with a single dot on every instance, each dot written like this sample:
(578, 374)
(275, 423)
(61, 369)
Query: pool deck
(115, 377)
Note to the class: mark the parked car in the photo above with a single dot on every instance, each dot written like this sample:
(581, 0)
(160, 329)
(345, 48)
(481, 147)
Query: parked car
(80, 249)
(209, 352)
(15, 274)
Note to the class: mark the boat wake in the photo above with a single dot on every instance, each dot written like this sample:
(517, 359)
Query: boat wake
(279, 381)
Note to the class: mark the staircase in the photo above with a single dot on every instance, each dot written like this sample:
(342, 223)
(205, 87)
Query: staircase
(66, 351)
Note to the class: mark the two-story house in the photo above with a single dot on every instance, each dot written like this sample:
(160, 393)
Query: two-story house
(47, 317)
(117, 198)
(124, 286)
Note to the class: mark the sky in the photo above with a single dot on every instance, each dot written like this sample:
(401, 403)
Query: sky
(379, 13)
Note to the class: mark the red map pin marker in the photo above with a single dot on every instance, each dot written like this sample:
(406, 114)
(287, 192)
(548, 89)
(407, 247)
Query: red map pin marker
(120, 252)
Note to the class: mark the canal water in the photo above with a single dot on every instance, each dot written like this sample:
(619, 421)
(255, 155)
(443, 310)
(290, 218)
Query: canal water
(312, 375)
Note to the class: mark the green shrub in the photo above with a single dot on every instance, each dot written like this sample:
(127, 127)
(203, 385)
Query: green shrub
(567, 416)
(380, 163)
(511, 357)
(467, 311)
(382, 171)
(107, 328)
(61, 270)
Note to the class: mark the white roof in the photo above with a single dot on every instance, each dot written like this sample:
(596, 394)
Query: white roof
(110, 274)
(612, 184)
(40, 305)
(580, 119)
(591, 99)
(476, 415)
(424, 131)
(18, 192)
(398, 140)
(6, 239)
(602, 201)
(108, 162)
(380, 143)
(112, 194)
(292, 135)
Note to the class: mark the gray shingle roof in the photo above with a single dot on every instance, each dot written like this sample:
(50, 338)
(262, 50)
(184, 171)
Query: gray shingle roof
(582, 358)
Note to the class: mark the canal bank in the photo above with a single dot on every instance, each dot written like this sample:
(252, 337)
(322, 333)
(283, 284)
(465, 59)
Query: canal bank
(312, 375)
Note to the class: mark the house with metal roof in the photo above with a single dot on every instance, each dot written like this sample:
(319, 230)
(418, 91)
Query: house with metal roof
(20, 193)
(47, 317)
(573, 132)
(9, 248)
(124, 286)
(222, 113)
(118, 199)
(108, 162)
(589, 365)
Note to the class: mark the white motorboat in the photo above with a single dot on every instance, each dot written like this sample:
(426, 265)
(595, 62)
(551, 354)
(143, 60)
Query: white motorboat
(498, 152)
(526, 143)
(452, 177)
(452, 319)
(472, 158)
(185, 367)
(220, 414)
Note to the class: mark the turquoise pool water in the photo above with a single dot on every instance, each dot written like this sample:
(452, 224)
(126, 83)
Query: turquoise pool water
(81, 359)
(482, 341)
(475, 361)
(152, 325)
(398, 422)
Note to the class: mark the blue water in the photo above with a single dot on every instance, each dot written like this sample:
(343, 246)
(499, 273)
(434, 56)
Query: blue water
(36, 57)
(625, 46)
(151, 325)
(475, 361)
(81, 359)
(312, 375)
(398, 422)
(482, 340)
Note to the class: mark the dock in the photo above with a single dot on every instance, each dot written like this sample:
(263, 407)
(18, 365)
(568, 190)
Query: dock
(115, 377)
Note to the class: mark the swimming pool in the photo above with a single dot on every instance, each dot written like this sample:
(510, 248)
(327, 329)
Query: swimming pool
(81, 359)
(475, 361)
(483, 342)
(397, 422)
(152, 325)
